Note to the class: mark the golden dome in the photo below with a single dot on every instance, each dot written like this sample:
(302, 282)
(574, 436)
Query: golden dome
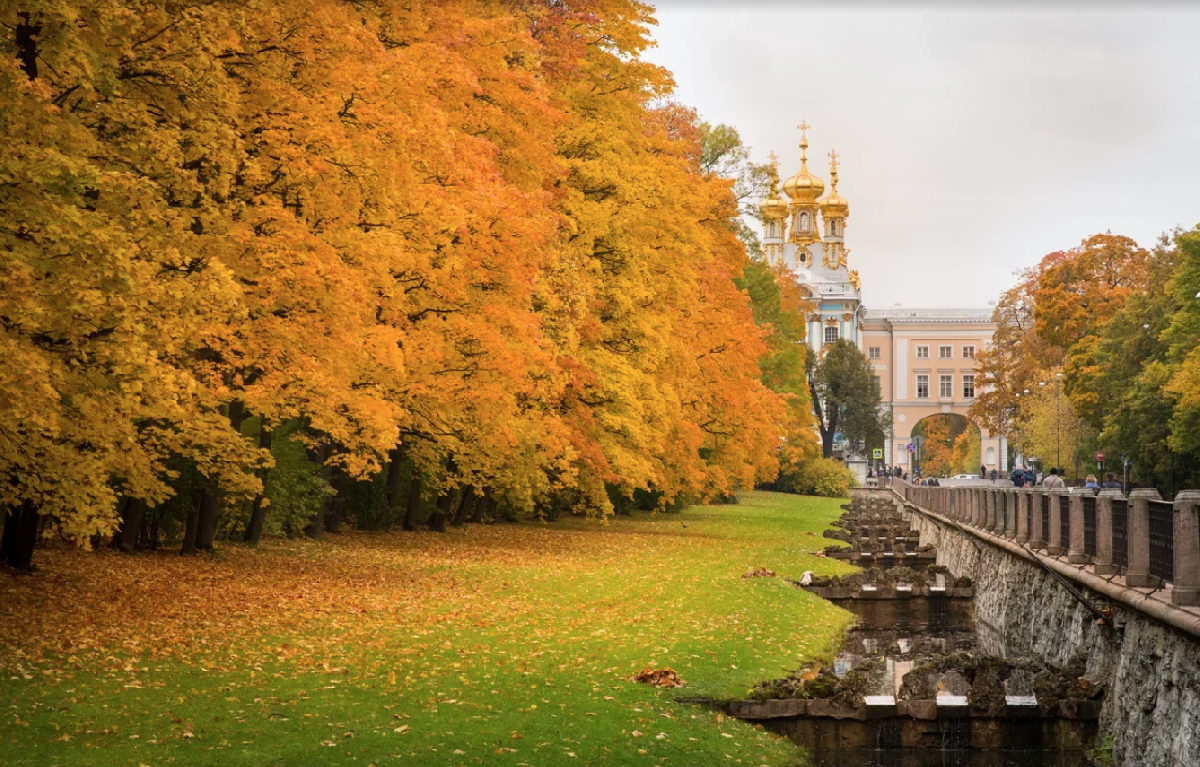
(804, 186)
(772, 207)
(834, 206)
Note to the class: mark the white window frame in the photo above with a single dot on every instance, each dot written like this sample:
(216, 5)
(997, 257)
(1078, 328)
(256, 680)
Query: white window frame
(968, 382)
(922, 352)
(825, 334)
(968, 352)
(922, 381)
(945, 352)
(873, 352)
(946, 385)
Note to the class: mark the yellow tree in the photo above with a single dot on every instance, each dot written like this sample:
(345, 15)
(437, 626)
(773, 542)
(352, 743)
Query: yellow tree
(1049, 429)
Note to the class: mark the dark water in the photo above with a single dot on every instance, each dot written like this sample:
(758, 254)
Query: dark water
(946, 758)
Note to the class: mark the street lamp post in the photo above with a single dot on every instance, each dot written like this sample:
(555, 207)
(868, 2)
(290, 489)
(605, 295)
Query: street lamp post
(1058, 421)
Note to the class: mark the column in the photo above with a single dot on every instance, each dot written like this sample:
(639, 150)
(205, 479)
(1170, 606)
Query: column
(1103, 562)
(1023, 497)
(1037, 536)
(1058, 510)
(1075, 555)
(1138, 572)
(989, 518)
(1010, 512)
(1185, 590)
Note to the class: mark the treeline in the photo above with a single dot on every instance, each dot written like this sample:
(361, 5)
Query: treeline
(266, 266)
(1099, 350)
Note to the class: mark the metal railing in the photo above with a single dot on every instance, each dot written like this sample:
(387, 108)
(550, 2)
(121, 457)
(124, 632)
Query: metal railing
(1120, 532)
(1162, 540)
(1136, 536)
(1089, 525)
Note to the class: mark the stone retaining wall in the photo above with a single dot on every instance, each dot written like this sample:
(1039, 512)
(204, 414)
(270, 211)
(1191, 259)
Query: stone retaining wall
(1152, 670)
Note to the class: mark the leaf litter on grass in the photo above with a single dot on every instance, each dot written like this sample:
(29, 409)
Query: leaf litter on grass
(481, 632)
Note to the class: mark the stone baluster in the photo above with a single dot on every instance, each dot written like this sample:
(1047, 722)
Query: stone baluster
(1138, 535)
(1010, 513)
(1023, 497)
(1185, 590)
(977, 507)
(1058, 510)
(1102, 563)
(1037, 536)
(1075, 554)
(989, 508)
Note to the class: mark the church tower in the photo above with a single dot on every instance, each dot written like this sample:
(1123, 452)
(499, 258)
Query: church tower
(804, 189)
(834, 212)
(774, 212)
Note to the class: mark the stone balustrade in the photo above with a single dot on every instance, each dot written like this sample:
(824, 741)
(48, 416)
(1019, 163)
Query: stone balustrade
(1160, 541)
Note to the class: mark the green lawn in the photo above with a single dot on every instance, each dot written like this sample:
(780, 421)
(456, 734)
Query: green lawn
(503, 644)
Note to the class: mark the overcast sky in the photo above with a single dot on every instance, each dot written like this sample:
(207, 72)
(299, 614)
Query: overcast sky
(971, 143)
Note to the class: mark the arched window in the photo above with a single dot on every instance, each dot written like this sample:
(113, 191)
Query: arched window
(991, 456)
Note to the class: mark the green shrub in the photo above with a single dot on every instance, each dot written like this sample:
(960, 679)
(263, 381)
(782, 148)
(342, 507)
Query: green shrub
(827, 477)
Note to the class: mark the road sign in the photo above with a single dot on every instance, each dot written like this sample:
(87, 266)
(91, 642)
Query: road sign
(877, 452)
(1100, 457)
(912, 447)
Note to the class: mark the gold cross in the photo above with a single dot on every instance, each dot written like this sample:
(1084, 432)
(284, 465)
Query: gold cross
(803, 126)
(833, 163)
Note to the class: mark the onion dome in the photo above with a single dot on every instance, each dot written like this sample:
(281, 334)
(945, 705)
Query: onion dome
(804, 187)
(773, 207)
(834, 206)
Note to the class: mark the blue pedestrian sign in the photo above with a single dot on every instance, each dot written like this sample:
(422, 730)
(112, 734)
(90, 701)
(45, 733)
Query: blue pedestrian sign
(912, 447)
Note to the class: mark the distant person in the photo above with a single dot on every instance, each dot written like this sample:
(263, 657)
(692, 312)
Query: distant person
(993, 475)
(1030, 477)
(1018, 477)
(1054, 482)
(1090, 483)
(983, 472)
(1110, 482)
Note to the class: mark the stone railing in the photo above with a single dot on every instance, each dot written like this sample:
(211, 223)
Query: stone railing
(1144, 538)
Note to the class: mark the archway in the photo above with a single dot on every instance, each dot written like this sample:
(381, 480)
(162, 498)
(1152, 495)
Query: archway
(947, 444)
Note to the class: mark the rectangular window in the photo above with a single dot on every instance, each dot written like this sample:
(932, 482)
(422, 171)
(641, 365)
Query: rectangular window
(873, 352)
(831, 334)
(878, 384)
(968, 387)
(945, 352)
(922, 352)
(922, 387)
(968, 352)
(946, 386)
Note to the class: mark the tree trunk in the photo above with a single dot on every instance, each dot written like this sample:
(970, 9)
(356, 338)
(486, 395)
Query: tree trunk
(258, 512)
(206, 527)
(412, 517)
(482, 505)
(190, 527)
(319, 456)
(437, 520)
(464, 508)
(826, 443)
(131, 524)
(122, 505)
(19, 545)
(395, 476)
